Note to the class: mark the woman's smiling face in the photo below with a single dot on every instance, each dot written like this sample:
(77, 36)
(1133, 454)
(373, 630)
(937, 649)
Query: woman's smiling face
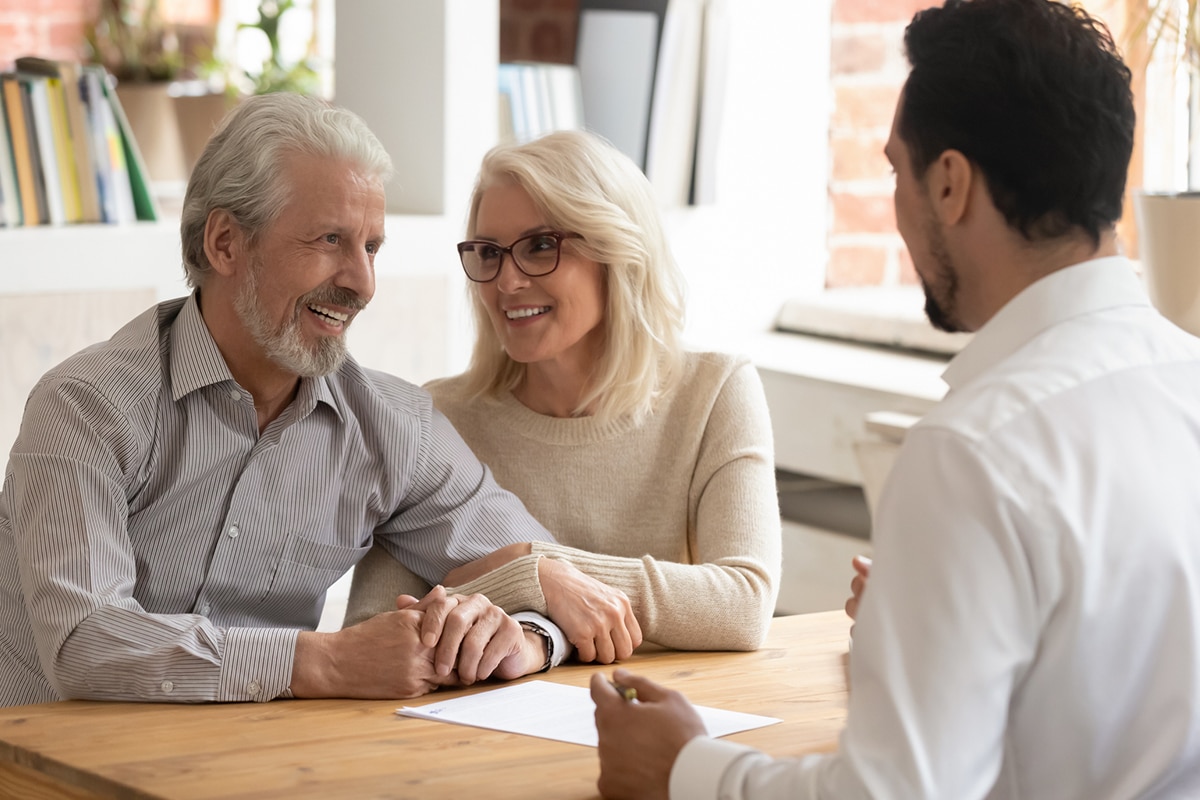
(557, 317)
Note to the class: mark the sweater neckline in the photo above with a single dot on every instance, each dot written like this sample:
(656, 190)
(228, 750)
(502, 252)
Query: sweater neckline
(560, 430)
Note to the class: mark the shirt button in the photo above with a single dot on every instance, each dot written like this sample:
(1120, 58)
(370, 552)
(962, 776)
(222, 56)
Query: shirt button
(234, 394)
(168, 687)
(253, 688)
(204, 609)
(233, 531)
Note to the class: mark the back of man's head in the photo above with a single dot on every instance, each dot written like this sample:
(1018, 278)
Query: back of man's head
(1035, 94)
(240, 168)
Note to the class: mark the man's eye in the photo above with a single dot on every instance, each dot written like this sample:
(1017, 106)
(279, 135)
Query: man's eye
(332, 238)
(372, 247)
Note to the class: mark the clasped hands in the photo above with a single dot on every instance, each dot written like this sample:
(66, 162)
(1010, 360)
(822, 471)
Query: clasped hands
(440, 639)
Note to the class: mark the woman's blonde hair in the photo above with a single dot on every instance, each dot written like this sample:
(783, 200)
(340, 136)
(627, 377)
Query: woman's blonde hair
(584, 185)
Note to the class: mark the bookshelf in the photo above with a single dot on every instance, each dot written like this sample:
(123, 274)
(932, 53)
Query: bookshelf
(439, 101)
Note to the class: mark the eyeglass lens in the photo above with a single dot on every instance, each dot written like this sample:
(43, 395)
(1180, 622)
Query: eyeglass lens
(534, 255)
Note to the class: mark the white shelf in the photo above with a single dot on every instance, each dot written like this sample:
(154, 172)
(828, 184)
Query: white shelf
(85, 258)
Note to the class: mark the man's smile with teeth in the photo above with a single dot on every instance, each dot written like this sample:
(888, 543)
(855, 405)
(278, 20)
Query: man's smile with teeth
(329, 313)
(521, 313)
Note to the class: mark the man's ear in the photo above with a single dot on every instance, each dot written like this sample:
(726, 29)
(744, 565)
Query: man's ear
(224, 242)
(949, 182)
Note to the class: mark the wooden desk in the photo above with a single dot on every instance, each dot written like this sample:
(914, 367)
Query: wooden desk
(354, 748)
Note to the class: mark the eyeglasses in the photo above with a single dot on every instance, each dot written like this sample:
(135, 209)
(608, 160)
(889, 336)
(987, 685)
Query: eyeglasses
(535, 255)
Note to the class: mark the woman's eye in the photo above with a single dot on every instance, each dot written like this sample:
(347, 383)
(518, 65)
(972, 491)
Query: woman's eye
(539, 243)
(489, 253)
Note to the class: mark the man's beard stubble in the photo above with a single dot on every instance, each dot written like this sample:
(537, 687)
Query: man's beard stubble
(941, 298)
(285, 345)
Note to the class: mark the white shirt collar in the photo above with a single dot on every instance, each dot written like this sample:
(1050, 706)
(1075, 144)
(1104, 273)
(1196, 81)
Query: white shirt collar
(1083, 288)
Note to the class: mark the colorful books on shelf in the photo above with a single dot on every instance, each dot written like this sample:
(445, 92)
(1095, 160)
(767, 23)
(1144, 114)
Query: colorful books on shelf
(67, 154)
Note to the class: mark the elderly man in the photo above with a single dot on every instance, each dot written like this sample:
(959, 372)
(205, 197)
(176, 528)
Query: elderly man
(181, 496)
(1032, 625)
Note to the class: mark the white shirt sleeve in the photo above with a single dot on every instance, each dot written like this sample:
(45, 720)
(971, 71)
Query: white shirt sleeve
(944, 632)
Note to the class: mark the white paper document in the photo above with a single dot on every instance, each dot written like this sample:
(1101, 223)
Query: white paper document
(554, 711)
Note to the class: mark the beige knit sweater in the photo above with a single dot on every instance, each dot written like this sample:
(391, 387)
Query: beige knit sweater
(679, 512)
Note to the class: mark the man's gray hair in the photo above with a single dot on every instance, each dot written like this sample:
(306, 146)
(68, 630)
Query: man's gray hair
(240, 169)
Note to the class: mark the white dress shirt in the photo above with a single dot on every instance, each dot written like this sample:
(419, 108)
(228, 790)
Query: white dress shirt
(1032, 623)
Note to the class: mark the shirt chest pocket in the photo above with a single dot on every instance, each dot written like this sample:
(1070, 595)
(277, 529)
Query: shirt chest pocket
(305, 570)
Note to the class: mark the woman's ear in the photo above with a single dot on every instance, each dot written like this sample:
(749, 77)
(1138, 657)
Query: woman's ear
(224, 242)
(949, 182)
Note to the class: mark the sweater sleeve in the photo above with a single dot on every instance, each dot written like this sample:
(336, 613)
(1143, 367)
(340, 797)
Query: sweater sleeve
(725, 599)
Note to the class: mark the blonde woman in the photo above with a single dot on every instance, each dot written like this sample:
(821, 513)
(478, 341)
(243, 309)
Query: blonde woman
(651, 465)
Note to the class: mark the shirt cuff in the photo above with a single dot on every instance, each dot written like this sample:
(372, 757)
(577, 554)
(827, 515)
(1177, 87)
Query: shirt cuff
(560, 648)
(696, 773)
(257, 664)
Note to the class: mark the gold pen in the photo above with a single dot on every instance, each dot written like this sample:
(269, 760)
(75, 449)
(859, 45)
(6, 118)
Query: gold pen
(628, 692)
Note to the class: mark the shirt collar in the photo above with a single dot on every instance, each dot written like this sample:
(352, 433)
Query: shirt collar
(196, 362)
(1084, 288)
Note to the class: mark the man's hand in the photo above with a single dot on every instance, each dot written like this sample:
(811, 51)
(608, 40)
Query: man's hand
(594, 616)
(482, 566)
(639, 740)
(862, 570)
(382, 657)
(471, 636)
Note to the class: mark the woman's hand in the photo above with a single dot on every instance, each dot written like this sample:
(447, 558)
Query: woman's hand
(862, 569)
(594, 616)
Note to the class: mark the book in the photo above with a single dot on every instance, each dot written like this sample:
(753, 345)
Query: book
(43, 130)
(715, 60)
(671, 139)
(78, 130)
(10, 208)
(104, 172)
(22, 144)
(64, 150)
(144, 204)
(617, 56)
(119, 202)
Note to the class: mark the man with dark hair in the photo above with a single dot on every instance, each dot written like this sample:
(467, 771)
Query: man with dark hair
(1032, 629)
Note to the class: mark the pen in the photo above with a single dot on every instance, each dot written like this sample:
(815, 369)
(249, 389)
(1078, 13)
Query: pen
(628, 692)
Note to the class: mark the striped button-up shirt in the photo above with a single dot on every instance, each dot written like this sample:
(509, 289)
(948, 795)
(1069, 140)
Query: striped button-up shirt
(154, 546)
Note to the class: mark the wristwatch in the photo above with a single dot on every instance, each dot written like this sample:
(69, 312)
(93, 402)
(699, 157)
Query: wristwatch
(533, 627)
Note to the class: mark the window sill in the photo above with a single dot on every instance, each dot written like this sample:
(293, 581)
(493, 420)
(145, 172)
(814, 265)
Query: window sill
(891, 317)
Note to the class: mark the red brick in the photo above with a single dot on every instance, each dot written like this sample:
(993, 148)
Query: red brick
(858, 158)
(856, 11)
(77, 9)
(857, 107)
(64, 40)
(525, 6)
(511, 46)
(860, 53)
(551, 41)
(854, 213)
(856, 265)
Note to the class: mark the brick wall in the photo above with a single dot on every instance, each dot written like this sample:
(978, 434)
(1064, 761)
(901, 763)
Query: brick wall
(538, 30)
(867, 70)
(50, 28)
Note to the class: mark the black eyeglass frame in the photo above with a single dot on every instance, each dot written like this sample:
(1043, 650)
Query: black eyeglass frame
(557, 236)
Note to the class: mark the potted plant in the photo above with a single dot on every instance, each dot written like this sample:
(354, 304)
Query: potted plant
(274, 73)
(130, 39)
(1169, 221)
